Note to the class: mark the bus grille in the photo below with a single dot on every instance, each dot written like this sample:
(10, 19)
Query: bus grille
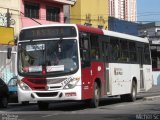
(55, 87)
(41, 83)
(50, 94)
(38, 81)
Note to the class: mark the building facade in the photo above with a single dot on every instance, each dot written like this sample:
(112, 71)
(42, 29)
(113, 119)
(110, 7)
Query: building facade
(152, 32)
(123, 9)
(90, 12)
(25, 13)
(122, 26)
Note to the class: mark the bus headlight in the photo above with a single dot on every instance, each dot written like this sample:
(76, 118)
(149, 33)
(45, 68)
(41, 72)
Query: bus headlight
(71, 84)
(24, 86)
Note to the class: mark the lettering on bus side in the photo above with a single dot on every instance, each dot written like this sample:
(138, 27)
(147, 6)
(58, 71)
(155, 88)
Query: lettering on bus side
(118, 71)
(148, 70)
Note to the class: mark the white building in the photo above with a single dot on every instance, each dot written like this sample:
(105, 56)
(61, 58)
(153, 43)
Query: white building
(152, 31)
(123, 9)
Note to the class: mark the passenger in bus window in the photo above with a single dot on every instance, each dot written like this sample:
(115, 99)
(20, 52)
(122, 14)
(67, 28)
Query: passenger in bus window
(94, 54)
(115, 52)
(54, 60)
(68, 58)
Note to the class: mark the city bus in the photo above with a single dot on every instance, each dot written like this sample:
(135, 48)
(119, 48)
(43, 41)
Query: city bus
(69, 62)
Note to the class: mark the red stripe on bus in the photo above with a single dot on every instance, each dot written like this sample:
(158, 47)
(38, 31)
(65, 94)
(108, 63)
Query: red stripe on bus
(89, 29)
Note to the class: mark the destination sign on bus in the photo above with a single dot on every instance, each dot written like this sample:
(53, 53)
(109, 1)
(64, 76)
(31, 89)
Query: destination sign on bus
(47, 32)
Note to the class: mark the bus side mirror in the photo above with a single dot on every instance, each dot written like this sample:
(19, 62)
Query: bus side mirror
(9, 50)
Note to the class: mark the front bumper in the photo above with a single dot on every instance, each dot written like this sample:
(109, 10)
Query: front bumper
(56, 95)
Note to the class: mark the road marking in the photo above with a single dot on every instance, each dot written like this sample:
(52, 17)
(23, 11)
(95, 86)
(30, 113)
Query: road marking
(49, 115)
(119, 105)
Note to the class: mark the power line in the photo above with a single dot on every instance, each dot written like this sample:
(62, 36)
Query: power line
(84, 19)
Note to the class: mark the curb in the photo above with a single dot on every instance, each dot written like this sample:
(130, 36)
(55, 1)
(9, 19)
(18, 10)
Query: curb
(151, 98)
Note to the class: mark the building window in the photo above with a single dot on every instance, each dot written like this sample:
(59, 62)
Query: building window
(31, 10)
(52, 13)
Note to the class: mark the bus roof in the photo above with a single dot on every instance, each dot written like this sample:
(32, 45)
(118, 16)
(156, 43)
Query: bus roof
(95, 30)
(89, 29)
(125, 36)
(48, 25)
(111, 33)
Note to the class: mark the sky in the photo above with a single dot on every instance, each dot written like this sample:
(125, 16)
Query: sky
(148, 10)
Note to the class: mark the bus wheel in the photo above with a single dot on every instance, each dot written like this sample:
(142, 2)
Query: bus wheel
(132, 96)
(95, 100)
(43, 105)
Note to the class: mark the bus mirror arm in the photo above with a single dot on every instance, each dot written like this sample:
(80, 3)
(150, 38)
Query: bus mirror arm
(9, 50)
(15, 40)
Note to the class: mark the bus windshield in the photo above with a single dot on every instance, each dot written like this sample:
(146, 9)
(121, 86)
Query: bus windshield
(56, 57)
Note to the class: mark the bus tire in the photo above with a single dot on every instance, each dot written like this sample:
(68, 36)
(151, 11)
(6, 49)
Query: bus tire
(132, 96)
(96, 96)
(43, 105)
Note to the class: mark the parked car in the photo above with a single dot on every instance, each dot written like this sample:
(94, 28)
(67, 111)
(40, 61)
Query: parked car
(13, 94)
(4, 94)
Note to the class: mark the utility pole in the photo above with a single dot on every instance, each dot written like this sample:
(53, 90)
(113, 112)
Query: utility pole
(8, 16)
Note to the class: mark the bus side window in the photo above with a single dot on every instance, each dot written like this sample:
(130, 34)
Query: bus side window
(84, 50)
(94, 47)
(114, 49)
(147, 59)
(106, 47)
(132, 52)
(124, 50)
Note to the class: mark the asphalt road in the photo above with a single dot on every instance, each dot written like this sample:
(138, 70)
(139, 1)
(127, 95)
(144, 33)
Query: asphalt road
(109, 109)
(146, 107)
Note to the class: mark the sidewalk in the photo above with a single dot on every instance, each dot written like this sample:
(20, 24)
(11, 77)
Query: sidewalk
(153, 93)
